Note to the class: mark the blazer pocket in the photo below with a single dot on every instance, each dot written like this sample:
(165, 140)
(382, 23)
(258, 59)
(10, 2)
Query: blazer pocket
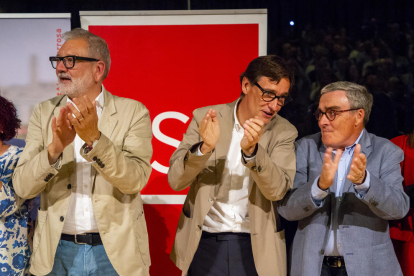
(40, 223)
(384, 259)
(141, 235)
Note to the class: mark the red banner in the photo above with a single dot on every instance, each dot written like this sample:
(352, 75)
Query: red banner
(173, 69)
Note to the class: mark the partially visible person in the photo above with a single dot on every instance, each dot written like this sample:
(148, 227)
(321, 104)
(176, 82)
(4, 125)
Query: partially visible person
(347, 188)
(14, 211)
(402, 231)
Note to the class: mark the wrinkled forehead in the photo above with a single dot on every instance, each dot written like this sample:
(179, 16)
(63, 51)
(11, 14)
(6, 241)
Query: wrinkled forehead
(76, 47)
(334, 100)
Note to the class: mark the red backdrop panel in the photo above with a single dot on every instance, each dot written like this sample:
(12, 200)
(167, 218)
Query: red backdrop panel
(175, 68)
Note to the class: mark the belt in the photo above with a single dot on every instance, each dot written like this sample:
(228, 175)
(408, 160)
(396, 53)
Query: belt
(225, 236)
(333, 261)
(88, 238)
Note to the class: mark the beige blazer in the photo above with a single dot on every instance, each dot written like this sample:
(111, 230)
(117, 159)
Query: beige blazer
(125, 152)
(271, 176)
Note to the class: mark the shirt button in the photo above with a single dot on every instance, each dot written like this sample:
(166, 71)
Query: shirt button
(86, 209)
(340, 178)
(339, 245)
(210, 200)
(86, 186)
(69, 186)
(62, 218)
(235, 227)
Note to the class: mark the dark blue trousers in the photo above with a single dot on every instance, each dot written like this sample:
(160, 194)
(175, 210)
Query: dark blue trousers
(223, 254)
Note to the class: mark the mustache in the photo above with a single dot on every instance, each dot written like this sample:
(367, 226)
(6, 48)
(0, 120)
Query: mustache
(64, 75)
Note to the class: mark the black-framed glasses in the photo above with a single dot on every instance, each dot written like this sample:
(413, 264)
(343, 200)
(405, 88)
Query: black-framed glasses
(268, 96)
(330, 113)
(68, 61)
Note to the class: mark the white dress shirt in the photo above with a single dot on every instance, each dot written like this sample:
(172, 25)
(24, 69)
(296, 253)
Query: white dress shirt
(231, 214)
(80, 217)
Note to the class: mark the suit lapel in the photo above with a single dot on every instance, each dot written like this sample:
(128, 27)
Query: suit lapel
(226, 120)
(107, 122)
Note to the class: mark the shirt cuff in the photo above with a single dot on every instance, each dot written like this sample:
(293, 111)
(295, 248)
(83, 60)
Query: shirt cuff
(362, 189)
(58, 164)
(318, 195)
(198, 151)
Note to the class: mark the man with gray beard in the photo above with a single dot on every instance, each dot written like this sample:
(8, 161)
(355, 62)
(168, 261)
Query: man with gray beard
(88, 154)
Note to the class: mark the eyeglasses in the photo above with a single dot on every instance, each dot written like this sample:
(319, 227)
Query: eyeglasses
(68, 61)
(330, 113)
(268, 96)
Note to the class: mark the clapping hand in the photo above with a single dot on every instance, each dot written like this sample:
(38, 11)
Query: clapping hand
(63, 135)
(329, 168)
(85, 121)
(253, 130)
(209, 130)
(357, 170)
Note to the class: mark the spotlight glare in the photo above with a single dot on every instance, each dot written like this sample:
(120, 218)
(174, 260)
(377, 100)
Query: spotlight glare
(291, 23)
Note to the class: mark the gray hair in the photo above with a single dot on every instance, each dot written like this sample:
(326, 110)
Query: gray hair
(358, 96)
(97, 47)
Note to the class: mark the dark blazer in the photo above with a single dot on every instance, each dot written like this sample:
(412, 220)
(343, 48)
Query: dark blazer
(363, 237)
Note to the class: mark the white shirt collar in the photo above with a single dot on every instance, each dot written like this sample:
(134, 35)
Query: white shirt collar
(237, 125)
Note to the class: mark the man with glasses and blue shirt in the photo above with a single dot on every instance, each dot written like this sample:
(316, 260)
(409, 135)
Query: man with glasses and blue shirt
(348, 185)
(88, 155)
(237, 159)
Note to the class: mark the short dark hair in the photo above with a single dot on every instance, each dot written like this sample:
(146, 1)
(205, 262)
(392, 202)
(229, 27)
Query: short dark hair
(9, 122)
(271, 66)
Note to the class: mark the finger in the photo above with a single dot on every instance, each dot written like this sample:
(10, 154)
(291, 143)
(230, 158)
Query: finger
(254, 125)
(258, 121)
(248, 135)
(89, 104)
(338, 156)
(54, 124)
(363, 159)
(80, 103)
(74, 121)
(68, 123)
(327, 157)
(207, 115)
(357, 149)
(75, 112)
(214, 116)
(356, 161)
(60, 118)
(251, 131)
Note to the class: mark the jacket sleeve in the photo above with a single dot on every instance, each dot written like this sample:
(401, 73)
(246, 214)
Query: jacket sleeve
(185, 166)
(298, 203)
(33, 171)
(274, 171)
(386, 197)
(129, 168)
